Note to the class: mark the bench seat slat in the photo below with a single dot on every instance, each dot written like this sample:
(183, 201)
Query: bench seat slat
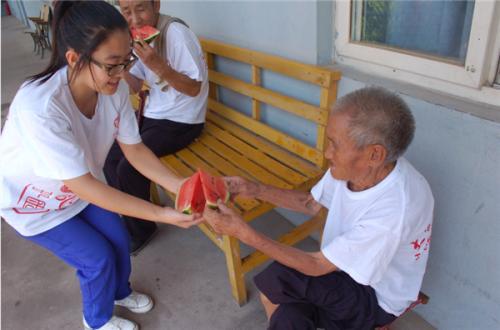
(287, 158)
(259, 173)
(226, 168)
(178, 167)
(257, 156)
(217, 161)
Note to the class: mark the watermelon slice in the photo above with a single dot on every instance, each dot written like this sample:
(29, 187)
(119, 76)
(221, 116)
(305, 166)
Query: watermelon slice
(200, 189)
(190, 198)
(214, 188)
(146, 33)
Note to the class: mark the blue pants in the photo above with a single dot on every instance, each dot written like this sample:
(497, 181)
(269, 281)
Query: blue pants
(96, 243)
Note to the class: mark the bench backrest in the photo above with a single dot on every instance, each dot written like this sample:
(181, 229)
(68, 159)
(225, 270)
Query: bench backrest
(324, 78)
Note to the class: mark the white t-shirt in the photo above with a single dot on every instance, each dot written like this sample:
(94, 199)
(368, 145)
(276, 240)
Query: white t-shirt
(46, 139)
(185, 55)
(380, 236)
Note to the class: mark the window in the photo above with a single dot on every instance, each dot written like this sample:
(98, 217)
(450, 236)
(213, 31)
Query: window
(449, 46)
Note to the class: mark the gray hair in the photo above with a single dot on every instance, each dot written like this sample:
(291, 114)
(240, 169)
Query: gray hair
(378, 116)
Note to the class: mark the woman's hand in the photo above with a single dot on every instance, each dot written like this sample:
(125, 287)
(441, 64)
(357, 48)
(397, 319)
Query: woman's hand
(176, 218)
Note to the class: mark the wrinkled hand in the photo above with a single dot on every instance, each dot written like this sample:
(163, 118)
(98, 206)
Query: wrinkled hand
(148, 56)
(224, 220)
(173, 217)
(240, 186)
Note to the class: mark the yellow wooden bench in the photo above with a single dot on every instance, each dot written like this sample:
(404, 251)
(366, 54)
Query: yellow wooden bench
(233, 143)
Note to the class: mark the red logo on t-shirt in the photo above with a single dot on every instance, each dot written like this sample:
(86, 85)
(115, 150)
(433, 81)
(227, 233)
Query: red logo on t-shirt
(36, 200)
(422, 245)
(32, 200)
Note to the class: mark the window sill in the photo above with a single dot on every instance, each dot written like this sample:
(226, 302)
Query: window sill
(489, 111)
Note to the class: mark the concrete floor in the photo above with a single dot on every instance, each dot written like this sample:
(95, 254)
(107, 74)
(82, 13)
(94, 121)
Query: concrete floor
(181, 269)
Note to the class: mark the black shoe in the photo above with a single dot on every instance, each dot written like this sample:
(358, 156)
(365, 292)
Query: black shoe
(137, 245)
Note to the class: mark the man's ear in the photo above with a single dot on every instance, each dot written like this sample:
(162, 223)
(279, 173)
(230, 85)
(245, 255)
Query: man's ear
(377, 154)
(72, 58)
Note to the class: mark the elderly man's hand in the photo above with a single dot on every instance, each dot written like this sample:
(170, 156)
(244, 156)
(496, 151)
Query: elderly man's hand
(149, 56)
(240, 186)
(224, 220)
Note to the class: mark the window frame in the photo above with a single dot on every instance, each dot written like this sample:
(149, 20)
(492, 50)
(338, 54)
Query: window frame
(473, 80)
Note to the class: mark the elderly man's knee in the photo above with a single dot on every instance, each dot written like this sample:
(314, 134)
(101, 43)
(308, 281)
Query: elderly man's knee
(292, 316)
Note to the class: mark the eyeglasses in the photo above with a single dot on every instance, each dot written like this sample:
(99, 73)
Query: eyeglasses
(115, 69)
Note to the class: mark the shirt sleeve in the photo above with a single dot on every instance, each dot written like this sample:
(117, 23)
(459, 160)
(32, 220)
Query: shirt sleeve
(184, 54)
(366, 251)
(322, 192)
(51, 144)
(128, 129)
(138, 70)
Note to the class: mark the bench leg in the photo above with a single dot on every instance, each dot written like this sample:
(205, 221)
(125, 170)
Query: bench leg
(231, 248)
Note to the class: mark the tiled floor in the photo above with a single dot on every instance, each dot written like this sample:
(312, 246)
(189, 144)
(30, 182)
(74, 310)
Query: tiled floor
(182, 269)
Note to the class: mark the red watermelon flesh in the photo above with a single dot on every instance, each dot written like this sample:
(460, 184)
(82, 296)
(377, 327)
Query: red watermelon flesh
(199, 189)
(190, 198)
(146, 33)
(214, 188)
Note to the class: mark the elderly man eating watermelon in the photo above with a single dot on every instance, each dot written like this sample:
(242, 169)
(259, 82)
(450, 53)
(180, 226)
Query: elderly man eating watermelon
(368, 269)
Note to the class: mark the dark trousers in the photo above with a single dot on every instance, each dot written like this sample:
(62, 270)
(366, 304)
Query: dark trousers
(332, 301)
(163, 137)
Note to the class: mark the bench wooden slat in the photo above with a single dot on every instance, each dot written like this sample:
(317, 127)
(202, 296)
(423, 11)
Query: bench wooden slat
(283, 102)
(226, 168)
(259, 173)
(196, 162)
(217, 161)
(273, 135)
(303, 167)
(278, 169)
(301, 71)
(178, 167)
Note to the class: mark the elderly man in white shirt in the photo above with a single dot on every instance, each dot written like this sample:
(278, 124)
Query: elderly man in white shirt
(376, 239)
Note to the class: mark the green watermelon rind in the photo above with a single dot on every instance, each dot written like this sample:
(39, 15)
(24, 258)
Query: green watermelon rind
(150, 37)
(214, 206)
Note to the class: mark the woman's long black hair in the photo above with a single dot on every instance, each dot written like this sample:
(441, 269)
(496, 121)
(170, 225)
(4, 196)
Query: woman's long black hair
(82, 26)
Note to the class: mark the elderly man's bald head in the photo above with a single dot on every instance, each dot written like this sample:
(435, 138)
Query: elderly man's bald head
(378, 116)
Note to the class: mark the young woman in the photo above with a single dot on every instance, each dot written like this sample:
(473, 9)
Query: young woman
(61, 126)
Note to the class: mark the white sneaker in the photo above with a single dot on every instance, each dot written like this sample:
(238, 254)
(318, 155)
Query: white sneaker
(136, 302)
(115, 323)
